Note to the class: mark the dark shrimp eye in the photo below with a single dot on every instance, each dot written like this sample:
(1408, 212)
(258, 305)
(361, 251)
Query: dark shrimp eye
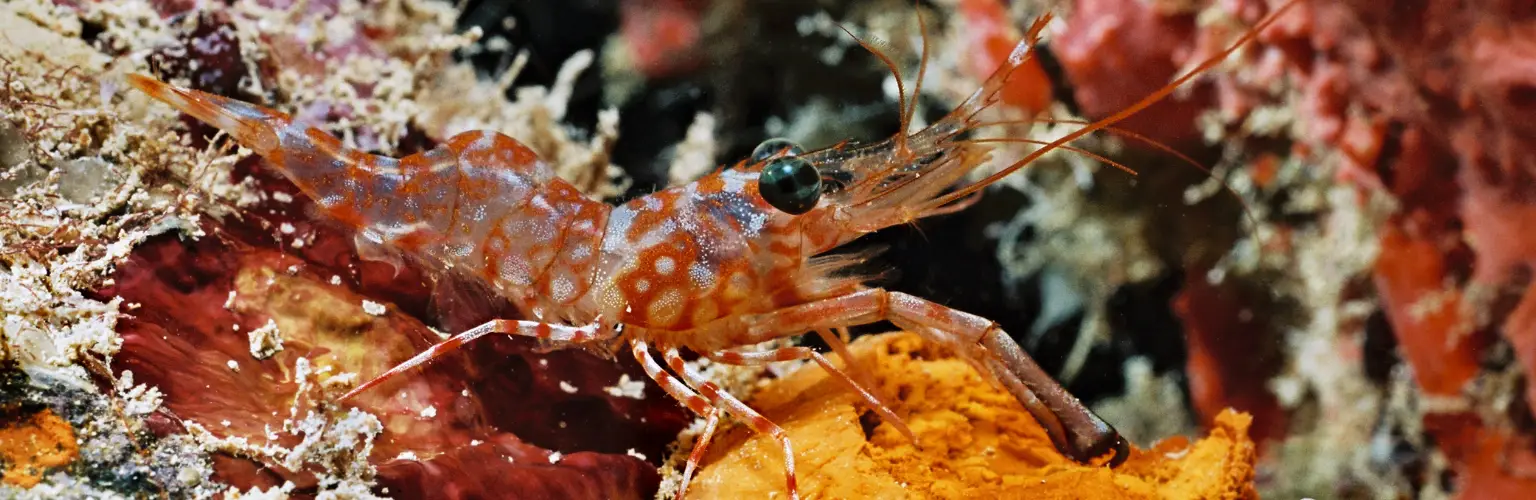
(790, 184)
(775, 147)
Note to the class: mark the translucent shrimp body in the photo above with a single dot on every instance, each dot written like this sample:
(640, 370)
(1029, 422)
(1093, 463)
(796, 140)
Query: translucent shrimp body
(733, 259)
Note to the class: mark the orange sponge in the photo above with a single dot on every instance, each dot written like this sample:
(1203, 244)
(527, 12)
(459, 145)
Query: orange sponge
(975, 441)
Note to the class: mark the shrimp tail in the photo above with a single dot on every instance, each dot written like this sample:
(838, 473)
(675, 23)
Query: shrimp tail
(314, 160)
(253, 127)
(341, 180)
(335, 176)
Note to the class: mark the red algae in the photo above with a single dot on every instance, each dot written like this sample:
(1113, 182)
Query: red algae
(467, 427)
(1431, 109)
(1114, 52)
(1228, 369)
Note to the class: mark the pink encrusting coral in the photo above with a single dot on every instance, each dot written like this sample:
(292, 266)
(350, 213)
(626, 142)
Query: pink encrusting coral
(1432, 109)
(1114, 52)
(1456, 79)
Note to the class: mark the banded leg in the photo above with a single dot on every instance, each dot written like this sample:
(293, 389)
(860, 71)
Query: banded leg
(740, 410)
(690, 399)
(734, 357)
(1074, 429)
(564, 334)
(856, 370)
(839, 345)
(697, 455)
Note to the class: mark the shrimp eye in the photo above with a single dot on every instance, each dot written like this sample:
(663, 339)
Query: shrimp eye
(776, 147)
(790, 184)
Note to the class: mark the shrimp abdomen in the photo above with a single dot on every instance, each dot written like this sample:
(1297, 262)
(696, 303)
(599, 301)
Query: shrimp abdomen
(482, 203)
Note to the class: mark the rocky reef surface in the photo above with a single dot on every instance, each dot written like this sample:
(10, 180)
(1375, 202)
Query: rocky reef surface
(1316, 284)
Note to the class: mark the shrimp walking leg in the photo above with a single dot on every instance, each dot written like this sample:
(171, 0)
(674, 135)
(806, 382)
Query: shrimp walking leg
(685, 395)
(740, 410)
(697, 455)
(1073, 427)
(855, 369)
(735, 357)
(555, 334)
(839, 344)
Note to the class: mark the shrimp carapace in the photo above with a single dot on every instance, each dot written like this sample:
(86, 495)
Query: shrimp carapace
(736, 258)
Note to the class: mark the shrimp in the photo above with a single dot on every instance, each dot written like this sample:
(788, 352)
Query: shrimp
(736, 258)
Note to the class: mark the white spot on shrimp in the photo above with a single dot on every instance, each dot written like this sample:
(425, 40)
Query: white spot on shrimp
(580, 253)
(561, 289)
(701, 275)
(486, 141)
(619, 223)
(667, 307)
(659, 234)
(554, 458)
(642, 285)
(429, 412)
(734, 184)
(755, 224)
(665, 265)
(374, 308)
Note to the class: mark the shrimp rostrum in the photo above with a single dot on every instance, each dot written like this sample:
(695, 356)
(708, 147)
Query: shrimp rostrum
(739, 257)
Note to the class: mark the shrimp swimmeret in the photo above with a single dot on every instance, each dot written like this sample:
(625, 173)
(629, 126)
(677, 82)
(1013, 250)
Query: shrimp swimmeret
(736, 258)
